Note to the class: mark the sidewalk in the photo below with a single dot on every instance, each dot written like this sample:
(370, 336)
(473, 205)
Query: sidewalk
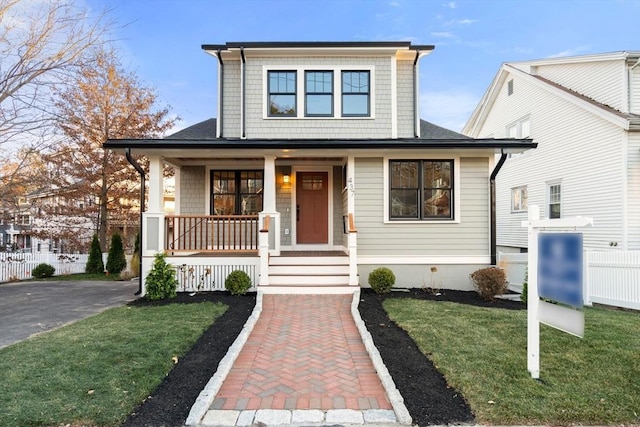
(303, 362)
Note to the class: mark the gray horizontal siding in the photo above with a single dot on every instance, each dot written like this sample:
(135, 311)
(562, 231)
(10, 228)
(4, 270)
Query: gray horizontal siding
(468, 238)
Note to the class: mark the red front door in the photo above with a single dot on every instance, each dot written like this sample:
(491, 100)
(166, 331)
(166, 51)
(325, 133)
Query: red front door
(312, 199)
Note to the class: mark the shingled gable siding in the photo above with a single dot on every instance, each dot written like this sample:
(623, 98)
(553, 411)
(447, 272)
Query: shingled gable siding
(406, 122)
(259, 127)
(192, 190)
(469, 238)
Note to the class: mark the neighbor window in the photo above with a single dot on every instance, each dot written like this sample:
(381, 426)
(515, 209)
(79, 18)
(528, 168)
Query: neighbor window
(282, 93)
(519, 199)
(421, 189)
(356, 93)
(318, 93)
(509, 87)
(519, 129)
(555, 200)
(236, 192)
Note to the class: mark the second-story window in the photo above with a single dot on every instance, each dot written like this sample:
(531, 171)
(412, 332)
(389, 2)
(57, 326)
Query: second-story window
(318, 93)
(356, 94)
(282, 93)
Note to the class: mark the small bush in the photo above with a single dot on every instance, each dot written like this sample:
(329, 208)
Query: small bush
(161, 282)
(489, 282)
(43, 270)
(238, 282)
(126, 275)
(116, 261)
(94, 263)
(135, 264)
(524, 296)
(382, 280)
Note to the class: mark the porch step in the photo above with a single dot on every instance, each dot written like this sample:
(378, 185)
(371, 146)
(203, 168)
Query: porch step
(309, 271)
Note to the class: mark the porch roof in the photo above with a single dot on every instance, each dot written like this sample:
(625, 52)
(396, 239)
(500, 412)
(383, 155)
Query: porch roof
(201, 136)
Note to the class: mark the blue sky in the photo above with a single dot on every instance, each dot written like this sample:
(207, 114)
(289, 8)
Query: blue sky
(161, 40)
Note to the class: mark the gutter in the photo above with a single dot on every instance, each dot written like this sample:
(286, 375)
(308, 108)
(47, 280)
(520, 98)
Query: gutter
(416, 123)
(242, 94)
(220, 95)
(492, 203)
(131, 160)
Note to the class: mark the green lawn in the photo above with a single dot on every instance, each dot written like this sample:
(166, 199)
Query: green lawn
(482, 353)
(94, 372)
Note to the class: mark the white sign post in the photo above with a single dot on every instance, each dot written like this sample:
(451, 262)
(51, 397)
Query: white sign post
(560, 253)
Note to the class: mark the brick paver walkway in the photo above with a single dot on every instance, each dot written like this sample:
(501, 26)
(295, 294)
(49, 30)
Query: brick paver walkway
(304, 352)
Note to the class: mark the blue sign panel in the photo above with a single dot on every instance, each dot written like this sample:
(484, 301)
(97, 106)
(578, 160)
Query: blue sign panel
(560, 267)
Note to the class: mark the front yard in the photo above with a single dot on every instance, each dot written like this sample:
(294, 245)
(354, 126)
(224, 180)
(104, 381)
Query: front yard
(482, 353)
(96, 371)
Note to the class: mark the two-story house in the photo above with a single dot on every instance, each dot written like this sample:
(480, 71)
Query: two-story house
(317, 170)
(584, 113)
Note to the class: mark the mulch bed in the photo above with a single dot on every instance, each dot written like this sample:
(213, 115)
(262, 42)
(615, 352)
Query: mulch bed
(425, 391)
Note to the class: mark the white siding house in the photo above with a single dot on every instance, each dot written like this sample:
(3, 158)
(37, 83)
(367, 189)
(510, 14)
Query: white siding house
(317, 170)
(584, 113)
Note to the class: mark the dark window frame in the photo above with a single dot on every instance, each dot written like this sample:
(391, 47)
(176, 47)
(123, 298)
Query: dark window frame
(294, 93)
(344, 93)
(421, 190)
(238, 194)
(307, 93)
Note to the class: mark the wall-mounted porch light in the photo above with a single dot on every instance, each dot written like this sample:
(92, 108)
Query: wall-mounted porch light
(286, 179)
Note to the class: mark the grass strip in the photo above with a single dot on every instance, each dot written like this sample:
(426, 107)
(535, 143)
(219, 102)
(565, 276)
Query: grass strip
(94, 372)
(482, 353)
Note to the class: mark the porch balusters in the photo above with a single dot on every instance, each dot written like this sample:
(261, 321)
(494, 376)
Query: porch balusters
(211, 233)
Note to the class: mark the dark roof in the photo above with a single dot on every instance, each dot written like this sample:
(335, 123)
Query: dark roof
(202, 130)
(314, 44)
(207, 130)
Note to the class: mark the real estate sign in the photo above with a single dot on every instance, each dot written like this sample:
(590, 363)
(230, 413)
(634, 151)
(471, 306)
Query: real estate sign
(560, 267)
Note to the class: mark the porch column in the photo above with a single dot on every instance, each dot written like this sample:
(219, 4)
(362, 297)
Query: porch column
(269, 186)
(156, 188)
(153, 219)
(351, 215)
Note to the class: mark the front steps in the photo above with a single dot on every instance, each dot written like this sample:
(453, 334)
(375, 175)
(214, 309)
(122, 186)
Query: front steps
(308, 274)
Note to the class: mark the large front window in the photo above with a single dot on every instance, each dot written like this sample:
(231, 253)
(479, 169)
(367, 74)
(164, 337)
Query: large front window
(236, 192)
(421, 189)
(282, 93)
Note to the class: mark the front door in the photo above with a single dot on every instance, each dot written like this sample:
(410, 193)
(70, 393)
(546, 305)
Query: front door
(312, 200)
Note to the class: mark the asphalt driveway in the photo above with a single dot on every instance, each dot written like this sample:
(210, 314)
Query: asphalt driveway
(28, 308)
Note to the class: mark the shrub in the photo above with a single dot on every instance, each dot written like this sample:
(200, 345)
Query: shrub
(94, 263)
(116, 261)
(525, 285)
(489, 282)
(135, 264)
(382, 280)
(161, 282)
(238, 282)
(43, 270)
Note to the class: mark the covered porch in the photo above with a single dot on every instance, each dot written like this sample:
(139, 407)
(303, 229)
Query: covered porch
(289, 222)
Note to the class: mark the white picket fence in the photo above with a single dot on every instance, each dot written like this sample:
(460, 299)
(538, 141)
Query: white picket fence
(18, 266)
(611, 277)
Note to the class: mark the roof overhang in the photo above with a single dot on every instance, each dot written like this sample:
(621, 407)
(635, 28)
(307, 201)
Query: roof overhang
(232, 148)
(402, 49)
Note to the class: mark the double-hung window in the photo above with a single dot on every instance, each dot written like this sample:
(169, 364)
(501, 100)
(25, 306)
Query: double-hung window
(282, 93)
(519, 200)
(236, 192)
(356, 94)
(420, 189)
(555, 200)
(318, 93)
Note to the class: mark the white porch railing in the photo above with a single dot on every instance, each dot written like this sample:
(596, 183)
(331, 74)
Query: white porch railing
(611, 277)
(18, 266)
(211, 233)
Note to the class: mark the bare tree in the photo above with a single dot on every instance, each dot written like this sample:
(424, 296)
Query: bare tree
(104, 102)
(42, 43)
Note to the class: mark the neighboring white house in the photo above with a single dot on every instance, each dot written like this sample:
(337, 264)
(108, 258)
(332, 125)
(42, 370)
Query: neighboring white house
(318, 170)
(584, 113)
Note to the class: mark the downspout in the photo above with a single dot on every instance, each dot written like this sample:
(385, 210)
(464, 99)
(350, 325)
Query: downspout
(416, 123)
(492, 202)
(221, 94)
(242, 94)
(131, 160)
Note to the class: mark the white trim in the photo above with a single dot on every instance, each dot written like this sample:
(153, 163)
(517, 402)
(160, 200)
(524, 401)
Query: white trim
(394, 97)
(294, 213)
(624, 170)
(428, 259)
(457, 206)
(300, 92)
